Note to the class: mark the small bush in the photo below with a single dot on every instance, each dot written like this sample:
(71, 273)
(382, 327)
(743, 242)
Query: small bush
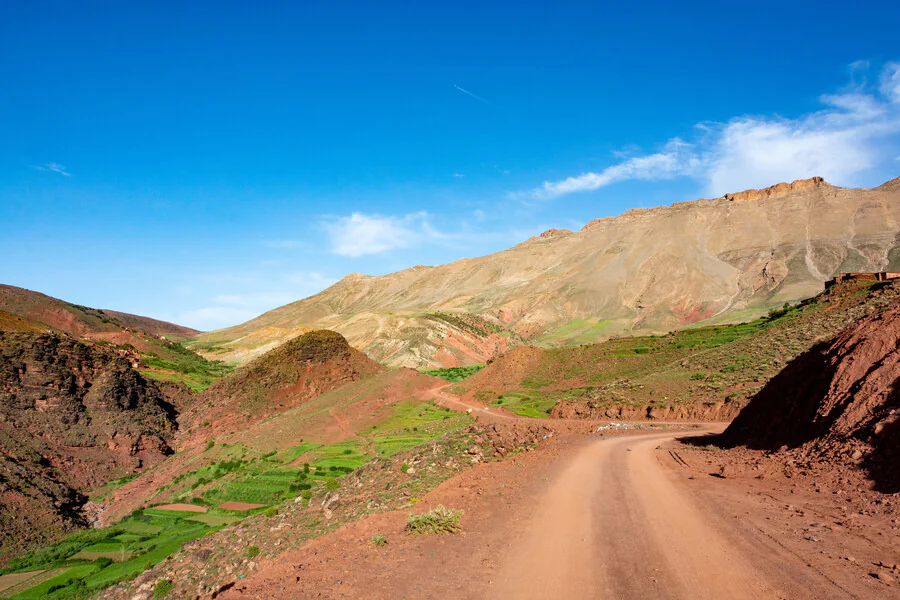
(210, 444)
(404, 467)
(439, 520)
(332, 485)
(163, 588)
(348, 451)
(698, 377)
(252, 551)
(271, 511)
(378, 540)
(103, 562)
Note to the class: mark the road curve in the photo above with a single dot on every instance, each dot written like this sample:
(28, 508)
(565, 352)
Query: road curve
(616, 526)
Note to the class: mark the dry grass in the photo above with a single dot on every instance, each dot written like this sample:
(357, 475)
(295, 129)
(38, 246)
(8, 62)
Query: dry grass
(439, 520)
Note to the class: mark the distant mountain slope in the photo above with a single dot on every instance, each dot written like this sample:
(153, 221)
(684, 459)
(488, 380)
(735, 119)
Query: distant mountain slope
(647, 270)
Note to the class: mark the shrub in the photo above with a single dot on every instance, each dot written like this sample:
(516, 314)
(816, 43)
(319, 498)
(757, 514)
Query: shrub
(103, 562)
(271, 511)
(163, 588)
(439, 520)
(210, 444)
(306, 495)
(252, 551)
(332, 485)
(404, 467)
(378, 540)
(698, 377)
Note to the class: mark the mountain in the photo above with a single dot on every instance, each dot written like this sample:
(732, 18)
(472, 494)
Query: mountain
(839, 401)
(647, 270)
(73, 416)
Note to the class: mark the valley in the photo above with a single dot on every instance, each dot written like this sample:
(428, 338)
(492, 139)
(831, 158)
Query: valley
(748, 450)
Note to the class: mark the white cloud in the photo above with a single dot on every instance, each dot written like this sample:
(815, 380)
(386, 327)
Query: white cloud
(459, 175)
(360, 234)
(857, 130)
(674, 160)
(53, 168)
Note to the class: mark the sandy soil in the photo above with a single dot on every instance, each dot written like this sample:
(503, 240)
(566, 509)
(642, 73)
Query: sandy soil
(630, 515)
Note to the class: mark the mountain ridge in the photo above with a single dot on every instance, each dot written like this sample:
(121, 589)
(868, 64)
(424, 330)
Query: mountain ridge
(644, 271)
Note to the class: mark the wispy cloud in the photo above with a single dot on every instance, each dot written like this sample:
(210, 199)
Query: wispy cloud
(856, 130)
(674, 160)
(53, 168)
(361, 234)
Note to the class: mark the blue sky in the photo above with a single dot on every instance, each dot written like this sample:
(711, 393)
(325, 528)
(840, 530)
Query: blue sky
(204, 163)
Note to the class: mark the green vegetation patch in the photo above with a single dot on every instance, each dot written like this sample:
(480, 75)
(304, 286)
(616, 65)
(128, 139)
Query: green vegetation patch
(526, 404)
(439, 520)
(454, 374)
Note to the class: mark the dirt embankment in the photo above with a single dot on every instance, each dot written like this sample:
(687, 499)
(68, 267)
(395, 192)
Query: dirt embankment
(507, 371)
(838, 402)
(708, 411)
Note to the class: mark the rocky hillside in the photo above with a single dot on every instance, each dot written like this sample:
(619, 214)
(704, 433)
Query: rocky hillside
(295, 372)
(647, 270)
(32, 309)
(705, 373)
(839, 401)
(72, 416)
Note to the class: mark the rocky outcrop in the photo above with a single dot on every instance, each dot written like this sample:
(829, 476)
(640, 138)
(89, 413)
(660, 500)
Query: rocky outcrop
(72, 417)
(839, 401)
(779, 189)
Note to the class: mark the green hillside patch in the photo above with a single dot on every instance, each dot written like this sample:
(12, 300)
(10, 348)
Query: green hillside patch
(454, 374)
(97, 558)
(526, 404)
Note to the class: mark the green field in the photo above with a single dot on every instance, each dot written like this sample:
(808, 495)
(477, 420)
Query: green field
(97, 558)
(223, 472)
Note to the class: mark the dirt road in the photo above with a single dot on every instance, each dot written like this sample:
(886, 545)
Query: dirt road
(622, 517)
(615, 525)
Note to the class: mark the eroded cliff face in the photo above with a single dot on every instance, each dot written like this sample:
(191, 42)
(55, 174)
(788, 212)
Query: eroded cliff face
(72, 417)
(647, 270)
(840, 401)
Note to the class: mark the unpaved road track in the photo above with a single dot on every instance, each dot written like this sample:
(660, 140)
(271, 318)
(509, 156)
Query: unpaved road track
(615, 518)
(616, 525)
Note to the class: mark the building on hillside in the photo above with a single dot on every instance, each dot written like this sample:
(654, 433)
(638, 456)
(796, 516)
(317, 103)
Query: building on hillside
(883, 276)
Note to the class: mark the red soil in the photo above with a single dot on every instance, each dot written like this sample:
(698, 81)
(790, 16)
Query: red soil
(840, 401)
(193, 508)
(241, 506)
